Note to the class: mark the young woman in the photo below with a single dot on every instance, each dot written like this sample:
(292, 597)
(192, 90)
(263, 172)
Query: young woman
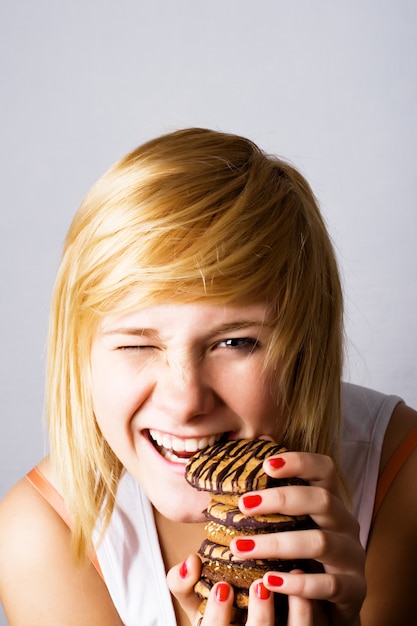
(198, 298)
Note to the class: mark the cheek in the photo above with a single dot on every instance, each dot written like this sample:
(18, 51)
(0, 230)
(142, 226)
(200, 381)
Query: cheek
(261, 403)
(100, 384)
(118, 390)
(112, 412)
(107, 391)
(255, 386)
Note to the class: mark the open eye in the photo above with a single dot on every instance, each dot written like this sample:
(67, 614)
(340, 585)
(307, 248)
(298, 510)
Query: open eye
(240, 343)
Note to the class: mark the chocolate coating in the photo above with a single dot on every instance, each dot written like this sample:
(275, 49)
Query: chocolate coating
(233, 467)
(231, 516)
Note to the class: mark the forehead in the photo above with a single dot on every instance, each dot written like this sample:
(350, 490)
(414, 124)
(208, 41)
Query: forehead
(195, 315)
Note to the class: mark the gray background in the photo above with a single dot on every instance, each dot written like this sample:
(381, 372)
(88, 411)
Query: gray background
(331, 85)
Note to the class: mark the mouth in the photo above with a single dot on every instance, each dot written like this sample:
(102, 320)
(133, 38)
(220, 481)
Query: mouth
(180, 450)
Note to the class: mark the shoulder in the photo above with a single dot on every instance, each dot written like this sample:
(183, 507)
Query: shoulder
(25, 539)
(403, 421)
(24, 515)
(29, 528)
(392, 548)
(37, 564)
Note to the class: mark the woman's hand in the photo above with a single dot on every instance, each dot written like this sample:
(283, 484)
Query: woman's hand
(334, 543)
(181, 580)
(219, 611)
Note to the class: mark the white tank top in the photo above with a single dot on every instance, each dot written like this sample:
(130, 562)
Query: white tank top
(130, 557)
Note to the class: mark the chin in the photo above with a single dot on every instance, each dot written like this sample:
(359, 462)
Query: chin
(186, 518)
(182, 508)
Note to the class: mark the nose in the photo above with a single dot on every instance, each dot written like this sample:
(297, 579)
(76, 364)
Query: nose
(183, 389)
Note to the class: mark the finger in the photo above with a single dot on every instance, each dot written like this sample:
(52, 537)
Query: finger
(218, 609)
(331, 549)
(261, 605)
(317, 469)
(300, 611)
(339, 589)
(325, 509)
(181, 580)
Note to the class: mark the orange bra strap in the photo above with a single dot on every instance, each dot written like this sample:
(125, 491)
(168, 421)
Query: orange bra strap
(393, 467)
(42, 484)
(51, 495)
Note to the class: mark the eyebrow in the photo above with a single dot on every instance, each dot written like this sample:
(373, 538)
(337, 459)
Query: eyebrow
(223, 328)
(241, 325)
(131, 330)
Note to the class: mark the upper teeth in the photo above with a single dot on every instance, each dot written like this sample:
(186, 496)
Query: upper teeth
(182, 445)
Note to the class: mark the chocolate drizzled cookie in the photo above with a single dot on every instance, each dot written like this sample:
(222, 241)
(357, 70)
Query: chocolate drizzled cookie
(232, 467)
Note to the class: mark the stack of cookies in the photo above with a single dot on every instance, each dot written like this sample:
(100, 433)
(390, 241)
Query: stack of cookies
(227, 470)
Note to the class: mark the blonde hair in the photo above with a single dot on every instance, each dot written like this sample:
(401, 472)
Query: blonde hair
(192, 215)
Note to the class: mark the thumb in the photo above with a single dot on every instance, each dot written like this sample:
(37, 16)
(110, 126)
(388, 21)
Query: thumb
(181, 580)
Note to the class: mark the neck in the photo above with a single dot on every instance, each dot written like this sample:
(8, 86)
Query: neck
(178, 540)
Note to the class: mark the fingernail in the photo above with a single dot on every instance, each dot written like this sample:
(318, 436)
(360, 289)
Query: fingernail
(262, 592)
(183, 570)
(245, 545)
(276, 462)
(222, 592)
(274, 580)
(250, 502)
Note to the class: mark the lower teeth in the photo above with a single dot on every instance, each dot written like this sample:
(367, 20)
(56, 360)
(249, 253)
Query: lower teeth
(171, 456)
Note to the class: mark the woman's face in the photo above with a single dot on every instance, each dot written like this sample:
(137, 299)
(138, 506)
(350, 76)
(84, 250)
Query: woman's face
(169, 379)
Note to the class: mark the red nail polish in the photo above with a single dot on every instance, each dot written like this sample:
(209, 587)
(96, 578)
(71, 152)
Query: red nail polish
(222, 592)
(262, 592)
(245, 545)
(276, 462)
(274, 580)
(250, 502)
(183, 570)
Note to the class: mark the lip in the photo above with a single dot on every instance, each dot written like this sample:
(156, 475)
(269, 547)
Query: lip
(176, 451)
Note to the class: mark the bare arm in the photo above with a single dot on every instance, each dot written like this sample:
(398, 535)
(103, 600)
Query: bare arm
(391, 563)
(39, 581)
